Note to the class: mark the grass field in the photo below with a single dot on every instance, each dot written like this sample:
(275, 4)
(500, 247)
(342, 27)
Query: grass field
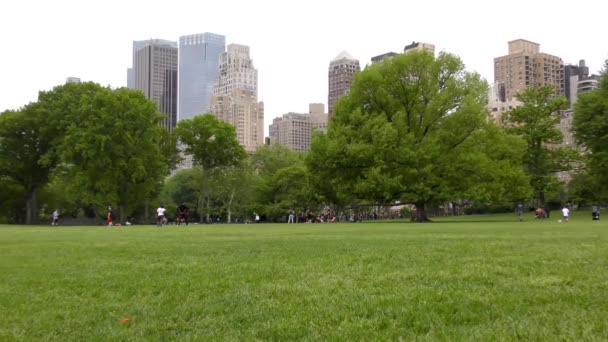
(467, 278)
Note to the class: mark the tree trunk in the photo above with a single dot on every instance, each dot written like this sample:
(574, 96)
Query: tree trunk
(31, 206)
(541, 198)
(121, 213)
(421, 213)
(229, 207)
(146, 212)
(207, 212)
(203, 194)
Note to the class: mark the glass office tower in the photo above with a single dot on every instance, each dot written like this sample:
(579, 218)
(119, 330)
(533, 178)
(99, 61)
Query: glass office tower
(197, 71)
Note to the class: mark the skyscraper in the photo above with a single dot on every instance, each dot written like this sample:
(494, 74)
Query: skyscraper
(155, 74)
(197, 71)
(420, 47)
(342, 70)
(235, 96)
(72, 80)
(526, 66)
(130, 78)
(577, 80)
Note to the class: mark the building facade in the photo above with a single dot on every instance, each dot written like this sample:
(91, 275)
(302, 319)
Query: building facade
(197, 70)
(155, 75)
(342, 70)
(72, 80)
(577, 80)
(526, 66)
(130, 78)
(235, 96)
(418, 46)
(295, 130)
(383, 56)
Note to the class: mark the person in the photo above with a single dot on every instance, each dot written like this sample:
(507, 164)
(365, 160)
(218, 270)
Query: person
(309, 215)
(291, 216)
(109, 216)
(566, 213)
(257, 218)
(520, 212)
(182, 214)
(595, 212)
(540, 213)
(160, 216)
(55, 218)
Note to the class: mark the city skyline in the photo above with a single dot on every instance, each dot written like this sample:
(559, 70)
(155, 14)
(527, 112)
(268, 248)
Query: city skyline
(291, 58)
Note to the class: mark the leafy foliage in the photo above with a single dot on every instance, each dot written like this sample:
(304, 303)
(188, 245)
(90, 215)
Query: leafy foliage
(212, 144)
(590, 126)
(413, 129)
(537, 122)
(283, 181)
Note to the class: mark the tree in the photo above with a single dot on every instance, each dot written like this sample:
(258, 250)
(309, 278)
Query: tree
(112, 149)
(590, 127)
(26, 155)
(211, 143)
(408, 132)
(232, 189)
(537, 122)
(283, 180)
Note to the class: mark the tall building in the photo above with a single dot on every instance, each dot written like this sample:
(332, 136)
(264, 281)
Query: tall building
(130, 78)
(420, 47)
(72, 80)
(197, 70)
(235, 96)
(342, 70)
(526, 66)
(318, 117)
(155, 74)
(383, 56)
(577, 80)
(295, 130)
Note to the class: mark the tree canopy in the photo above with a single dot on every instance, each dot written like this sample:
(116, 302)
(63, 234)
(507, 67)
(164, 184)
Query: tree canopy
(414, 129)
(212, 144)
(106, 142)
(537, 122)
(590, 126)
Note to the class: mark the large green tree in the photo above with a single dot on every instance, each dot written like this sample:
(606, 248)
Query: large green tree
(590, 126)
(413, 129)
(111, 149)
(537, 122)
(212, 144)
(26, 155)
(283, 181)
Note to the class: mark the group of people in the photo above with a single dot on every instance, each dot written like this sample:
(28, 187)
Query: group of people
(182, 215)
(542, 213)
(161, 219)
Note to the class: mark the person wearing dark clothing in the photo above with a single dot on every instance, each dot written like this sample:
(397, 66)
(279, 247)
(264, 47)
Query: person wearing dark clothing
(595, 212)
(182, 214)
(520, 212)
(109, 216)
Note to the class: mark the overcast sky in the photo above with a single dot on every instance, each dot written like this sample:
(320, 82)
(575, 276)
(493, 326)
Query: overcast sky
(291, 42)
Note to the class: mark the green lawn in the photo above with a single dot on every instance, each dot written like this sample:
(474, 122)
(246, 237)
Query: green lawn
(467, 278)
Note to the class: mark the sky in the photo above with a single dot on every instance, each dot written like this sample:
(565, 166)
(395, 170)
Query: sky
(291, 42)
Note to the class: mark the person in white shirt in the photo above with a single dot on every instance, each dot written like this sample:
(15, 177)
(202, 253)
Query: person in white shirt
(160, 216)
(55, 218)
(566, 213)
